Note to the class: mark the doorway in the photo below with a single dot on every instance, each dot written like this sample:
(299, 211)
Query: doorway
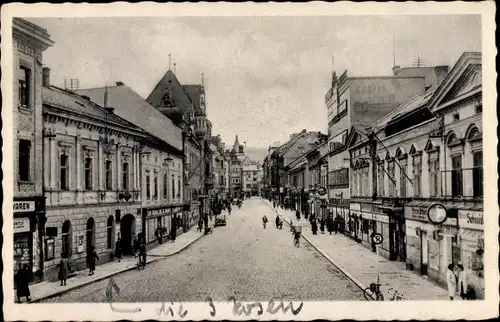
(127, 231)
(90, 235)
(66, 237)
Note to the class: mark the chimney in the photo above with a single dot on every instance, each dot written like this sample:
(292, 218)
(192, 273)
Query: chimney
(46, 77)
(395, 70)
(86, 97)
(119, 83)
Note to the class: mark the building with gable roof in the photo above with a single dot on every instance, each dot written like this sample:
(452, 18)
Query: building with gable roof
(29, 42)
(91, 179)
(163, 206)
(428, 151)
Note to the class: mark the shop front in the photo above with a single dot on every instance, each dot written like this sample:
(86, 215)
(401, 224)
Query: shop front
(179, 219)
(471, 241)
(394, 209)
(28, 250)
(158, 223)
(429, 248)
(339, 209)
(370, 219)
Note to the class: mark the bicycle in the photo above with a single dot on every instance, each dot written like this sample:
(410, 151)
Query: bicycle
(141, 263)
(374, 289)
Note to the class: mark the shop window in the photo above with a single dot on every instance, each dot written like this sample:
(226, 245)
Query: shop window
(148, 186)
(125, 176)
(109, 229)
(402, 181)
(178, 187)
(477, 174)
(109, 175)
(456, 176)
(24, 86)
(434, 182)
(64, 172)
(90, 234)
(165, 186)
(365, 226)
(24, 160)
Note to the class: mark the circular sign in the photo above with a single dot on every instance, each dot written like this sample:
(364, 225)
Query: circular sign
(437, 214)
(322, 191)
(377, 238)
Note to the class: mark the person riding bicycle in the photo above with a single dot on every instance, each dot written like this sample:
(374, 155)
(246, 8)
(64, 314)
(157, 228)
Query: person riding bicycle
(264, 220)
(296, 237)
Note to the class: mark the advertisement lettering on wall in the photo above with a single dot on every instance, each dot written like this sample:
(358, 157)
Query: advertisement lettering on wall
(471, 219)
(21, 225)
(23, 206)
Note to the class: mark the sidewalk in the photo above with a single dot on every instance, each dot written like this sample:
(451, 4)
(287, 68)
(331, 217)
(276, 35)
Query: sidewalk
(48, 289)
(360, 264)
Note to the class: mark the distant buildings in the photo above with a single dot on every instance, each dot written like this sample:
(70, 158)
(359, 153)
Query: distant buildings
(396, 146)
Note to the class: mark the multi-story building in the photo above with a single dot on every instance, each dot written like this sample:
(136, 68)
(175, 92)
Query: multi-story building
(91, 178)
(219, 168)
(317, 163)
(29, 42)
(251, 177)
(360, 101)
(161, 166)
(237, 155)
(426, 152)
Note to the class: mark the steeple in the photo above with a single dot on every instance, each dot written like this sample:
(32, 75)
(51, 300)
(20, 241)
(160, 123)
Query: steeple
(236, 142)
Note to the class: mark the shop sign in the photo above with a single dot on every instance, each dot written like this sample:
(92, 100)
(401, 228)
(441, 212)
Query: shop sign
(80, 242)
(21, 225)
(355, 206)
(416, 213)
(157, 212)
(381, 218)
(471, 219)
(24, 206)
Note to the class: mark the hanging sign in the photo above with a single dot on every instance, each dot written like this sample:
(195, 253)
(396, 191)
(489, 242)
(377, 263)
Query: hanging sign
(377, 238)
(322, 191)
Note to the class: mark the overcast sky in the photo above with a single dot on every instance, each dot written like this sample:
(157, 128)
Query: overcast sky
(265, 77)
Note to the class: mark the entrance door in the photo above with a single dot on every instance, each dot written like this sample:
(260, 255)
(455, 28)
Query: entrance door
(127, 230)
(90, 236)
(423, 253)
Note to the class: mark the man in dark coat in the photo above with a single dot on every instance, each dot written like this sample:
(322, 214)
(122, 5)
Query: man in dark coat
(23, 278)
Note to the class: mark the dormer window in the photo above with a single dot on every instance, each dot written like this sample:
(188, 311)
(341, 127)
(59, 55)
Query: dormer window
(479, 108)
(456, 116)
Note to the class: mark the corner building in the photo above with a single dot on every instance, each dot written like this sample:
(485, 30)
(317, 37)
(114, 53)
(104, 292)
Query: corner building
(29, 43)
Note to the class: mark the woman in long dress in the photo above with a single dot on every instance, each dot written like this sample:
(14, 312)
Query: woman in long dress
(451, 280)
(63, 269)
(462, 282)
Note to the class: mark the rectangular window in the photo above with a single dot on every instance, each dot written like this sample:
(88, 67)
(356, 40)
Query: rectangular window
(417, 174)
(24, 160)
(64, 172)
(434, 177)
(381, 177)
(456, 176)
(392, 175)
(88, 173)
(125, 176)
(109, 175)
(155, 187)
(165, 186)
(148, 186)
(402, 180)
(24, 86)
(179, 187)
(173, 187)
(477, 174)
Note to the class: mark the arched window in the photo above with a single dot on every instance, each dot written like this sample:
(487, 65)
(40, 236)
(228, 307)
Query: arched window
(451, 139)
(473, 133)
(66, 237)
(110, 232)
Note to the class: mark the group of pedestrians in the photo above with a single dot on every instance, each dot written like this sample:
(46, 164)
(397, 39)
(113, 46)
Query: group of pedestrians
(458, 284)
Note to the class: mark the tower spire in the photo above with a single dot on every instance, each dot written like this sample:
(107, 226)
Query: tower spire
(202, 79)
(393, 50)
(169, 62)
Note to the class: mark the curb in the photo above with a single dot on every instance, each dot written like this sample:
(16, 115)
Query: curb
(66, 290)
(358, 283)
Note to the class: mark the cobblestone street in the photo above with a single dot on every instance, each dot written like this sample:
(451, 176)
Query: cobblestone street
(241, 259)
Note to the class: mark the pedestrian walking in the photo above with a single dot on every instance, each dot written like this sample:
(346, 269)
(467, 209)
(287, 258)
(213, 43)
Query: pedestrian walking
(63, 269)
(335, 225)
(200, 225)
(463, 282)
(23, 278)
(274, 204)
(322, 225)
(91, 259)
(314, 227)
(277, 221)
(173, 230)
(451, 281)
(297, 214)
(118, 249)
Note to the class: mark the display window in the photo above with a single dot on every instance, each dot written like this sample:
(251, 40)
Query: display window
(22, 251)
